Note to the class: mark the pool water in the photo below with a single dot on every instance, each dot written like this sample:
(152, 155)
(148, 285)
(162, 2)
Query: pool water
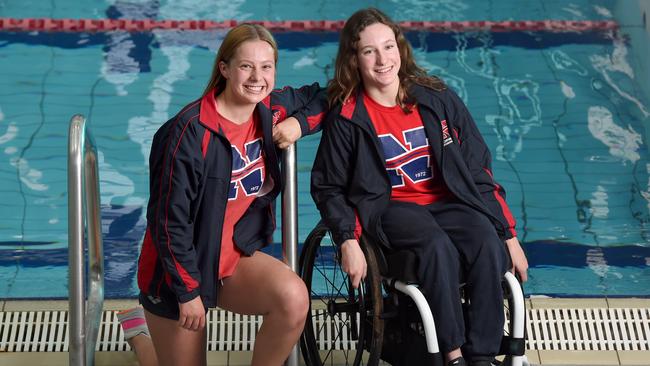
(563, 113)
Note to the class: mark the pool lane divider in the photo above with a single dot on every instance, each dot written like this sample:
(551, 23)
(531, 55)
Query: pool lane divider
(145, 25)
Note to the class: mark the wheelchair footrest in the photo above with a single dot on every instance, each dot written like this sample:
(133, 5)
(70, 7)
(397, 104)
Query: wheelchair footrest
(512, 346)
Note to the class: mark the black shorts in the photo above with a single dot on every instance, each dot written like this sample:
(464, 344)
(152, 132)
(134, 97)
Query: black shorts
(164, 306)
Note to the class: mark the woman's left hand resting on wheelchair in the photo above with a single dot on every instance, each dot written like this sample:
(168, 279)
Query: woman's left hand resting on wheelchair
(353, 261)
(519, 261)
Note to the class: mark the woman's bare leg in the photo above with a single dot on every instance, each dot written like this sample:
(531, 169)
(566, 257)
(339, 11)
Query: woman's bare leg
(175, 345)
(144, 351)
(263, 285)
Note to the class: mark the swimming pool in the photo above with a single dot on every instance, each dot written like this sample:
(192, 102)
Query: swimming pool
(563, 114)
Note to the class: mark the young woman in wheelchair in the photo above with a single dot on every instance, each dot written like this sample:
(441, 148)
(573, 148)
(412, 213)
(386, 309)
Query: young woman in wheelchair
(402, 160)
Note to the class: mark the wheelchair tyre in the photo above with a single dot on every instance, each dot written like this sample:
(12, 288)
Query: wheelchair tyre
(344, 326)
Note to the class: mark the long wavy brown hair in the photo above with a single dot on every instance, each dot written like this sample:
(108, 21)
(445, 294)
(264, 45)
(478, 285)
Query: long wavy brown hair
(347, 79)
(234, 38)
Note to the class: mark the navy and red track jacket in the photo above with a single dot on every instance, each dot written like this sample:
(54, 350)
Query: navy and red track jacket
(351, 187)
(190, 169)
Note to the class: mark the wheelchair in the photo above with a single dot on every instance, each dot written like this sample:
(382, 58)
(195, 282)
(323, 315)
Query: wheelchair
(387, 317)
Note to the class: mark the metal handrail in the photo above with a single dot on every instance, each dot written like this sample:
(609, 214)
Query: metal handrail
(290, 222)
(83, 213)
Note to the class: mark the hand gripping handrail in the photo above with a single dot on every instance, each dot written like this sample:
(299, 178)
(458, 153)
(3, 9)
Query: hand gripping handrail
(290, 222)
(83, 213)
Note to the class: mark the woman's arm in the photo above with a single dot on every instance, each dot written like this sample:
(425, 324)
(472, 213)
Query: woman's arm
(329, 182)
(287, 132)
(297, 112)
(175, 174)
(330, 177)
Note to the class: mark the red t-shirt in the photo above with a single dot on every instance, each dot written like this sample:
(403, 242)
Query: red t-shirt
(246, 183)
(414, 174)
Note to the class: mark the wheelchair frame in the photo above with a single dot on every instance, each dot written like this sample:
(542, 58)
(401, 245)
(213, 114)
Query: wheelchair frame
(366, 303)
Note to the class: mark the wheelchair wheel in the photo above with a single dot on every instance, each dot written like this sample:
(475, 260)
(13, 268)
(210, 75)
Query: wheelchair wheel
(344, 326)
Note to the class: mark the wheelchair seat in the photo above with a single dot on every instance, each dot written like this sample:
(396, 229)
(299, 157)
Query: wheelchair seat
(401, 265)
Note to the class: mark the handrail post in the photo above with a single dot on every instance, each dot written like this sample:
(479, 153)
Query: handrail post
(76, 139)
(83, 213)
(290, 222)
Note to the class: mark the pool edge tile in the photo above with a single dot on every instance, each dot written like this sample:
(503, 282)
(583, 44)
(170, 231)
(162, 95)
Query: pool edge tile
(578, 357)
(564, 303)
(634, 357)
(34, 358)
(35, 305)
(632, 302)
(217, 358)
(239, 358)
(533, 356)
(124, 358)
(120, 304)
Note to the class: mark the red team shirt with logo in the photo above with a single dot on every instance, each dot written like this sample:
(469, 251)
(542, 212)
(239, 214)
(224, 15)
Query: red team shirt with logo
(415, 176)
(246, 141)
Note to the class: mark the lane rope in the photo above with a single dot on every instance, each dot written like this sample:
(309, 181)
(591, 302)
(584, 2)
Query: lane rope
(145, 25)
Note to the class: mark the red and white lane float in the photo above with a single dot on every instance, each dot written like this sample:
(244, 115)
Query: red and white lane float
(145, 25)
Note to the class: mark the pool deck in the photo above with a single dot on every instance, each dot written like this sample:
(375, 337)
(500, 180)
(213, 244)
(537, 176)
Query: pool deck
(232, 358)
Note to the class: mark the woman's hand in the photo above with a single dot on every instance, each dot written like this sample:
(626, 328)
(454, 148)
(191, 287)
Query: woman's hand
(519, 261)
(192, 314)
(353, 261)
(286, 132)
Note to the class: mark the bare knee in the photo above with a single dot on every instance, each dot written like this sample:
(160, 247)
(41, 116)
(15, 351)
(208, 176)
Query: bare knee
(294, 303)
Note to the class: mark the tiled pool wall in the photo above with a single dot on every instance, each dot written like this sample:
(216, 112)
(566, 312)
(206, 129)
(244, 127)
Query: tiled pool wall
(634, 19)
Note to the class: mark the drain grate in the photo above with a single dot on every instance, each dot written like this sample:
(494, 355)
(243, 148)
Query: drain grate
(34, 331)
(620, 329)
(548, 329)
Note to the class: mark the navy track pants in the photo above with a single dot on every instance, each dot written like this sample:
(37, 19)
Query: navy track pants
(450, 237)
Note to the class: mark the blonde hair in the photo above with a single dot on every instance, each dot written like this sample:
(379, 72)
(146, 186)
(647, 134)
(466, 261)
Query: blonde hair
(234, 38)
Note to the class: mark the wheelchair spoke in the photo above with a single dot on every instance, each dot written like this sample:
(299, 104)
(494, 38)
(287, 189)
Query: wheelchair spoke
(342, 328)
(336, 289)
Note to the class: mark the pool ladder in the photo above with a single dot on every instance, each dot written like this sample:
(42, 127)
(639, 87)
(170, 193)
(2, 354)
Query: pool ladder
(84, 217)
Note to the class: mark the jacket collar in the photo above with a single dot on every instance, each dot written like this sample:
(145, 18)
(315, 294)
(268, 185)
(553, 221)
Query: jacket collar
(429, 98)
(354, 110)
(208, 112)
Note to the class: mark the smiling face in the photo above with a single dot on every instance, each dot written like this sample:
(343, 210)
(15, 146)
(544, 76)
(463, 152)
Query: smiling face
(250, 73)
(378, 59)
